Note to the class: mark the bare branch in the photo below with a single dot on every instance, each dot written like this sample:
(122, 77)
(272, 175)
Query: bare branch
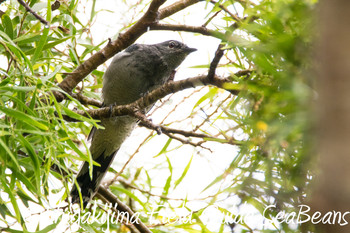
(41, 19)
(233, 16)
(185, 28)
(142, 117)
(176, 7)
(183, 132)
(86, 100)
(214, 64)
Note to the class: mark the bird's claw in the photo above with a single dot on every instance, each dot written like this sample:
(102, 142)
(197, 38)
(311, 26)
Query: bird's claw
(111, 106)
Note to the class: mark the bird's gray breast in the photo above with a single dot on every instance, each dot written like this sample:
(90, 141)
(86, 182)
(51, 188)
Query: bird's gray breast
(132, 74)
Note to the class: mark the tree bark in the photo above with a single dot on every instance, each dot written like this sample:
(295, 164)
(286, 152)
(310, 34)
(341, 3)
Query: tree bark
(332, 184)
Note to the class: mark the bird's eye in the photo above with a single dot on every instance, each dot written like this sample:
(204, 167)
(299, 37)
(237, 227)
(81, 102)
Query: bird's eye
(172, 44)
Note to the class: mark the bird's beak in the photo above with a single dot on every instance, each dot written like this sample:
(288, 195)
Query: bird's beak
(190, 50)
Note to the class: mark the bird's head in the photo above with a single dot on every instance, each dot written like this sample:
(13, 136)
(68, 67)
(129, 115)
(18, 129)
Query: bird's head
(174, 52)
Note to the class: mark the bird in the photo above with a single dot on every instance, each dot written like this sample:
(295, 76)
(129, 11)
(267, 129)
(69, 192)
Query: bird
(133, 73)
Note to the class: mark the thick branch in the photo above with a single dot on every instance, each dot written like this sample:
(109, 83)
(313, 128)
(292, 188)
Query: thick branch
(147, 100)
(176, 7)
(25, 5)
(158, 93)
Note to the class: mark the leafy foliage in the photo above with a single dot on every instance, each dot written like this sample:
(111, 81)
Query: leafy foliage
(266, 121)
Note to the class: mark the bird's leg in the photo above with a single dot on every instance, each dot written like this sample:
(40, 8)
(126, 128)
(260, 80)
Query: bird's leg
(111, 106)
(171, 76)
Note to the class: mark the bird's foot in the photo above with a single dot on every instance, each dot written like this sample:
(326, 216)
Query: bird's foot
(111, 106)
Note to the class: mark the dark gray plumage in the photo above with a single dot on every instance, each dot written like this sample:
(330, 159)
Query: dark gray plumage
(132, 74)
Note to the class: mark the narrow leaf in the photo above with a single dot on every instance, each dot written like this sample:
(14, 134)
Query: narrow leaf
(177, 182)
(23, 117)
(7, 22)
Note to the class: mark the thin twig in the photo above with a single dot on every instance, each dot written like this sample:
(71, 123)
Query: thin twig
(185, 28)
(175, 7)
(86, 100)
(214, 64)
(25, 5)
(233, 16)
(110, 182)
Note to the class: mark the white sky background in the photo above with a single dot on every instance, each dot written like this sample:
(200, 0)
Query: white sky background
(205, 166)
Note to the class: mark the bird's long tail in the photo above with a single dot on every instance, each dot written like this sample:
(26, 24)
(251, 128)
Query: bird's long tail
(89, 185)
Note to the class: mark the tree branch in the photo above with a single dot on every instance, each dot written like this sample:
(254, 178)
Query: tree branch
(86, 100)
(233, 16)
(176, 7)
(185, 28)
(214, 64)
(158, 93)
(25, 5)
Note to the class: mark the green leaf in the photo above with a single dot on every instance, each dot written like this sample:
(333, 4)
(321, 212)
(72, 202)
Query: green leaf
(27, 38)
(178, 181)
(25, 181)
(17, 51)
(7, 22)
(34, 157)
(74, 115)
(50, 45)
(216, 180)
(209, 95)
(24, 117)
(168, 181)
(50, 227)
(163, 150)
(12, 156)
(17, 88)
(129, 194)
(12, 198)
(40, 45)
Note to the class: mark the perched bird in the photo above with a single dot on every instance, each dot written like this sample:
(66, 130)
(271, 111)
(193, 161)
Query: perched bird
(132, 74)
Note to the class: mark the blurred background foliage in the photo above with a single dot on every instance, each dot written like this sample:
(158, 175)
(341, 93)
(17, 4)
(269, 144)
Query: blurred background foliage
(268, 121)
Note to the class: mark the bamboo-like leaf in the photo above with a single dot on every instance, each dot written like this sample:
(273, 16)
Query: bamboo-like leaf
(7, 22)
(178, 181)
(168, 181)
(24, 117)
(12, 198)
(40, 45)
(9, 152)
(51, 227)
(210, 95)
(34, 157)
(47, 46)
(129, 194)
(166, 145)
(17, 88)
(17, 51)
